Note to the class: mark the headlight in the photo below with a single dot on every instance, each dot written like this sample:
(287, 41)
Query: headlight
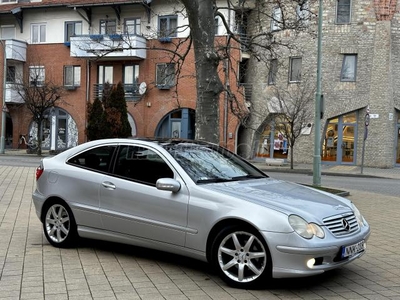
(305, 229)
(359, 217)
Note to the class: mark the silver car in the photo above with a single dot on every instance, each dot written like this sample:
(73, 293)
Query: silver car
(199, 200)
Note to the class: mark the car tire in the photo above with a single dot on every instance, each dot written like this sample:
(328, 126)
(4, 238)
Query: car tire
(241, 257)
(59, 225)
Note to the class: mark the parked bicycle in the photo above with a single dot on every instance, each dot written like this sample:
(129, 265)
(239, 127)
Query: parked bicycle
(31, 143)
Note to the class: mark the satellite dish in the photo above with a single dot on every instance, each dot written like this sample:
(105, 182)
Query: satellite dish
(142, 88)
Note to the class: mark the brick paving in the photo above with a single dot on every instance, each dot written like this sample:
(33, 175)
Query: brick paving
(32, 269)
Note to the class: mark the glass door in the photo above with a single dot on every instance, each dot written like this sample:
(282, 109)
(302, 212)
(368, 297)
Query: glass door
(338, 145)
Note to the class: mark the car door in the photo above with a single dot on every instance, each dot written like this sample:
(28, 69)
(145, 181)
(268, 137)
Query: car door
(131, 204)
(81, 183)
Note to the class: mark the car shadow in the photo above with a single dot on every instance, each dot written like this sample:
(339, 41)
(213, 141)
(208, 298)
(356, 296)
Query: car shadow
(197, 266)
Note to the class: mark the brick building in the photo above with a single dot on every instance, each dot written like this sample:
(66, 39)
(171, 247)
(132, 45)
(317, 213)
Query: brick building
(81, 45)
(360, 71)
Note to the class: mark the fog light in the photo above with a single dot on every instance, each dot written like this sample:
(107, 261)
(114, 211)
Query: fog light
(311, 263)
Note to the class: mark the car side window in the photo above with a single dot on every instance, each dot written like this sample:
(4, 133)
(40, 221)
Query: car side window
(98, 159)
(141, 164)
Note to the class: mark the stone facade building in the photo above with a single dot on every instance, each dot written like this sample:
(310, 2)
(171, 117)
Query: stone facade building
(360, 72)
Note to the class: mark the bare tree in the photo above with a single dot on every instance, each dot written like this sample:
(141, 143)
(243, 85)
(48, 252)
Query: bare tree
(293, 112)
(39, 96)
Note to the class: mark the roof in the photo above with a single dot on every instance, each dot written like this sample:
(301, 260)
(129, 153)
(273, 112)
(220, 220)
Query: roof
(7, 8)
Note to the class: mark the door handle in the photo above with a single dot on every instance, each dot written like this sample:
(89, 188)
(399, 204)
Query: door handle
(109, 185)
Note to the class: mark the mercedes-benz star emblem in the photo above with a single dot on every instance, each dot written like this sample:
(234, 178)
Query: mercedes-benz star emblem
(345, 224)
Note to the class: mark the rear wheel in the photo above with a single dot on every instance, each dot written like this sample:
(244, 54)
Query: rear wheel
(59, 225)
(241, 257)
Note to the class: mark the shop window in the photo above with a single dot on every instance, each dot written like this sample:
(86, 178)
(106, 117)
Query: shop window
(273, 142)
(343, 11)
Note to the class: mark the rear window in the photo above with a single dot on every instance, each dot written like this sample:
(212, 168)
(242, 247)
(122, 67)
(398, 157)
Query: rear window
(98, 159)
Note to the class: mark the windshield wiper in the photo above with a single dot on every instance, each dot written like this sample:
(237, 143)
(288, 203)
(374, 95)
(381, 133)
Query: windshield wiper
(248, 176)
(214, 180)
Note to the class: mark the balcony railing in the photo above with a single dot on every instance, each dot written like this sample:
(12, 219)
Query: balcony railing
(16, 50)
(108, 46)
(131, 91)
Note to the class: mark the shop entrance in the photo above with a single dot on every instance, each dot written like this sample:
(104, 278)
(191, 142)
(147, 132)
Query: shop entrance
(338, 146)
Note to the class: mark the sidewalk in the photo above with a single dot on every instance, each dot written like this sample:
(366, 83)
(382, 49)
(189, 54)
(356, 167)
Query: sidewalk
(334, 170)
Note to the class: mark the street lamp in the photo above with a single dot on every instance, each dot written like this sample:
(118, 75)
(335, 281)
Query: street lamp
(317, 117)
(3, 110)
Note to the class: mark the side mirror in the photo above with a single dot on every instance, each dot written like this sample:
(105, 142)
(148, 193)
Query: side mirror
(168, 184)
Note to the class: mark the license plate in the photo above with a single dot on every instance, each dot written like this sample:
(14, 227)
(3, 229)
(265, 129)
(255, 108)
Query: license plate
(353, 249)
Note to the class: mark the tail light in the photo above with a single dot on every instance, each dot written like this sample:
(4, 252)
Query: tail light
(39, 172)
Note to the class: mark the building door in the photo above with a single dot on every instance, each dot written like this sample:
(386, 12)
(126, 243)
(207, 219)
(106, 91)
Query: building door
(338, 145)
(177, 124)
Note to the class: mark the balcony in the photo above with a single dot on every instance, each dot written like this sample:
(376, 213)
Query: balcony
(12, 95)
(16, 50)
(131, 91)
(114, 46)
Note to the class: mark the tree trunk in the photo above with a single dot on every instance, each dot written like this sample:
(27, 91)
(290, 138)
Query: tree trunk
(39, 143)
(208, 83)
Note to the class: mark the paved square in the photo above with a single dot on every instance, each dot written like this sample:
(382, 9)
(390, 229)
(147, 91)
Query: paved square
(32, 269)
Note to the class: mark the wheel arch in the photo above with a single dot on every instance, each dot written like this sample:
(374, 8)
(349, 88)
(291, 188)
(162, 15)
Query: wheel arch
(50, 201)
(221, 225)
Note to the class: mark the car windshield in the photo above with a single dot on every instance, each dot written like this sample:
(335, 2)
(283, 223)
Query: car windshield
(208, 164)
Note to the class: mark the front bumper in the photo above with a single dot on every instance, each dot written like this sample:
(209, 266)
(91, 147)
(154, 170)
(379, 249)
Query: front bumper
(290, 253)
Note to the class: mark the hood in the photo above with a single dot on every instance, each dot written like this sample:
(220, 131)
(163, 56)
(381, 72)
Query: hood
(286, 197)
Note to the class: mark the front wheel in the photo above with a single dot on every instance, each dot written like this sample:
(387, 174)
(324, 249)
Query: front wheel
(241, 257)
(59, 225)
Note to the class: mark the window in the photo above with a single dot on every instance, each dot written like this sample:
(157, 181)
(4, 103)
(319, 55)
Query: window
(98, 159)
(349, 67)
(7, 32)
(72, 28)
(38, 33)
(276, 19)
(343, 12)
(36, 76)
(273, 68)
(105, 74)
(303, 13)
(167, 26)
(72, 76)
(131, 81)
(10, 78)
(141, 164)
(165, 76)
(132, 26)
(295, 69)
(108, 26)
(216, 25)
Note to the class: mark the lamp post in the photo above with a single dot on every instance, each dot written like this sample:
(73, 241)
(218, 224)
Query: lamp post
(317, 117)
(3, 109)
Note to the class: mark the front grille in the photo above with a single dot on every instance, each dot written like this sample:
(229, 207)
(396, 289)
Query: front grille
(341, 225)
